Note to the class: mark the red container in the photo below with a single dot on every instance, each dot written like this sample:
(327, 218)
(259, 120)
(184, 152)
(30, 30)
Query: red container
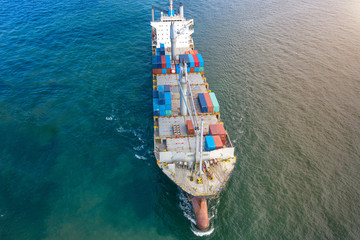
(190, 127)
(196, 60)
(168, 70)
(218, 130)
(192, 69)
(157, 71)
(163, 60)
(209, 103)
(218, 142)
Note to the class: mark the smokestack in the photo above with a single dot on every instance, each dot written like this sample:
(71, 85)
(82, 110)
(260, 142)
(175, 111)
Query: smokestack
(181, 10)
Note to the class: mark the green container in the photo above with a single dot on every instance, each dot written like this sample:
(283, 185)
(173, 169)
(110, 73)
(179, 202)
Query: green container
(214, 102)
(201, 69)
(168, 112)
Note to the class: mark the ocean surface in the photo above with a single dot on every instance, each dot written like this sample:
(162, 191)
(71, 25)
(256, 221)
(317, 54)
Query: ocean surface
(76, 148)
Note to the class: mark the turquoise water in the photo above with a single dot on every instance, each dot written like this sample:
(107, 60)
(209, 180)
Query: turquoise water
(76, 157)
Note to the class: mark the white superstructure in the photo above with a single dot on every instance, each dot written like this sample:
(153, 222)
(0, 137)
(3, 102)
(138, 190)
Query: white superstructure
(183, 29)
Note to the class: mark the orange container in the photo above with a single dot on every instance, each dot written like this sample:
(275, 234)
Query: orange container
(190, 127)
(218, 130)
(218, 142)
(209, 103)
(192, 69)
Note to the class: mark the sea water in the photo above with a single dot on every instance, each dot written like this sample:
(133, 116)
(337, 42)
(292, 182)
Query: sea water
(76, 147)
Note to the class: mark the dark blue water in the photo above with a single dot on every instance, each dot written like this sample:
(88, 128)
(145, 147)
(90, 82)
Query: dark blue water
(76, 157)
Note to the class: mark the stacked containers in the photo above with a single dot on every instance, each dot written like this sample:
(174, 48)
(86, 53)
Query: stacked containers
(191, 60)
(156, 107)
(209, 104)
(201, 62)
(218, 130)
(190, 127)
(164, 100)
(202, 102)
(214, 102)
(209, 143)
(196, 60)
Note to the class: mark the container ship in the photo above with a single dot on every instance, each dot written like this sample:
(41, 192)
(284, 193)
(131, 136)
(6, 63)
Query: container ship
(191, 146)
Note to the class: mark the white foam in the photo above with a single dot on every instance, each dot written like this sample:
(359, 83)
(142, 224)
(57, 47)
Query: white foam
(140, 157)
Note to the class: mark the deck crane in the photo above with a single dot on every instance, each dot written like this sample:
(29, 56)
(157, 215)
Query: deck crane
(185, 97)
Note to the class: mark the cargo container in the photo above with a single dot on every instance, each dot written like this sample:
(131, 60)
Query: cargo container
(167, 95)
(191, 60)
(201, 69)
(155, 94)
(201, 61)
(190, 127)
(209, 103)
(168, 112)
(161, 88)
(166, 88)
(196, 69)
(215, 102)
(196, 60)
(218, 130)
(209, 143)
(218, 142)
(188, 69)
(192, 69)
(162, 113)
(167, 106)
(202, 102)
(168, 61)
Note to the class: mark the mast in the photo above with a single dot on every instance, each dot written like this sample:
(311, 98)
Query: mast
(171, 9)
(183, 84)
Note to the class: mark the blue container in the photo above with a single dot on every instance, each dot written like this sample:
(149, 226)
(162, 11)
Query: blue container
(163, 71)
(209, 143)
(154, 59)
(162, 107)
(167, 95)
(155, 101)
(162, 113)
(168, 101)
(161, 95)
(202, 102)
(161, 101)
(188, 69)
(191, 60)
(156, 107)
(162, 45)
(167, 107)
(157, 53)
(158, 59)
(156, 113)
(196, 69)
(201, 60)
(177, 68)
(161, 88)
(166, 88)
(155, 94)
(168, 61)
